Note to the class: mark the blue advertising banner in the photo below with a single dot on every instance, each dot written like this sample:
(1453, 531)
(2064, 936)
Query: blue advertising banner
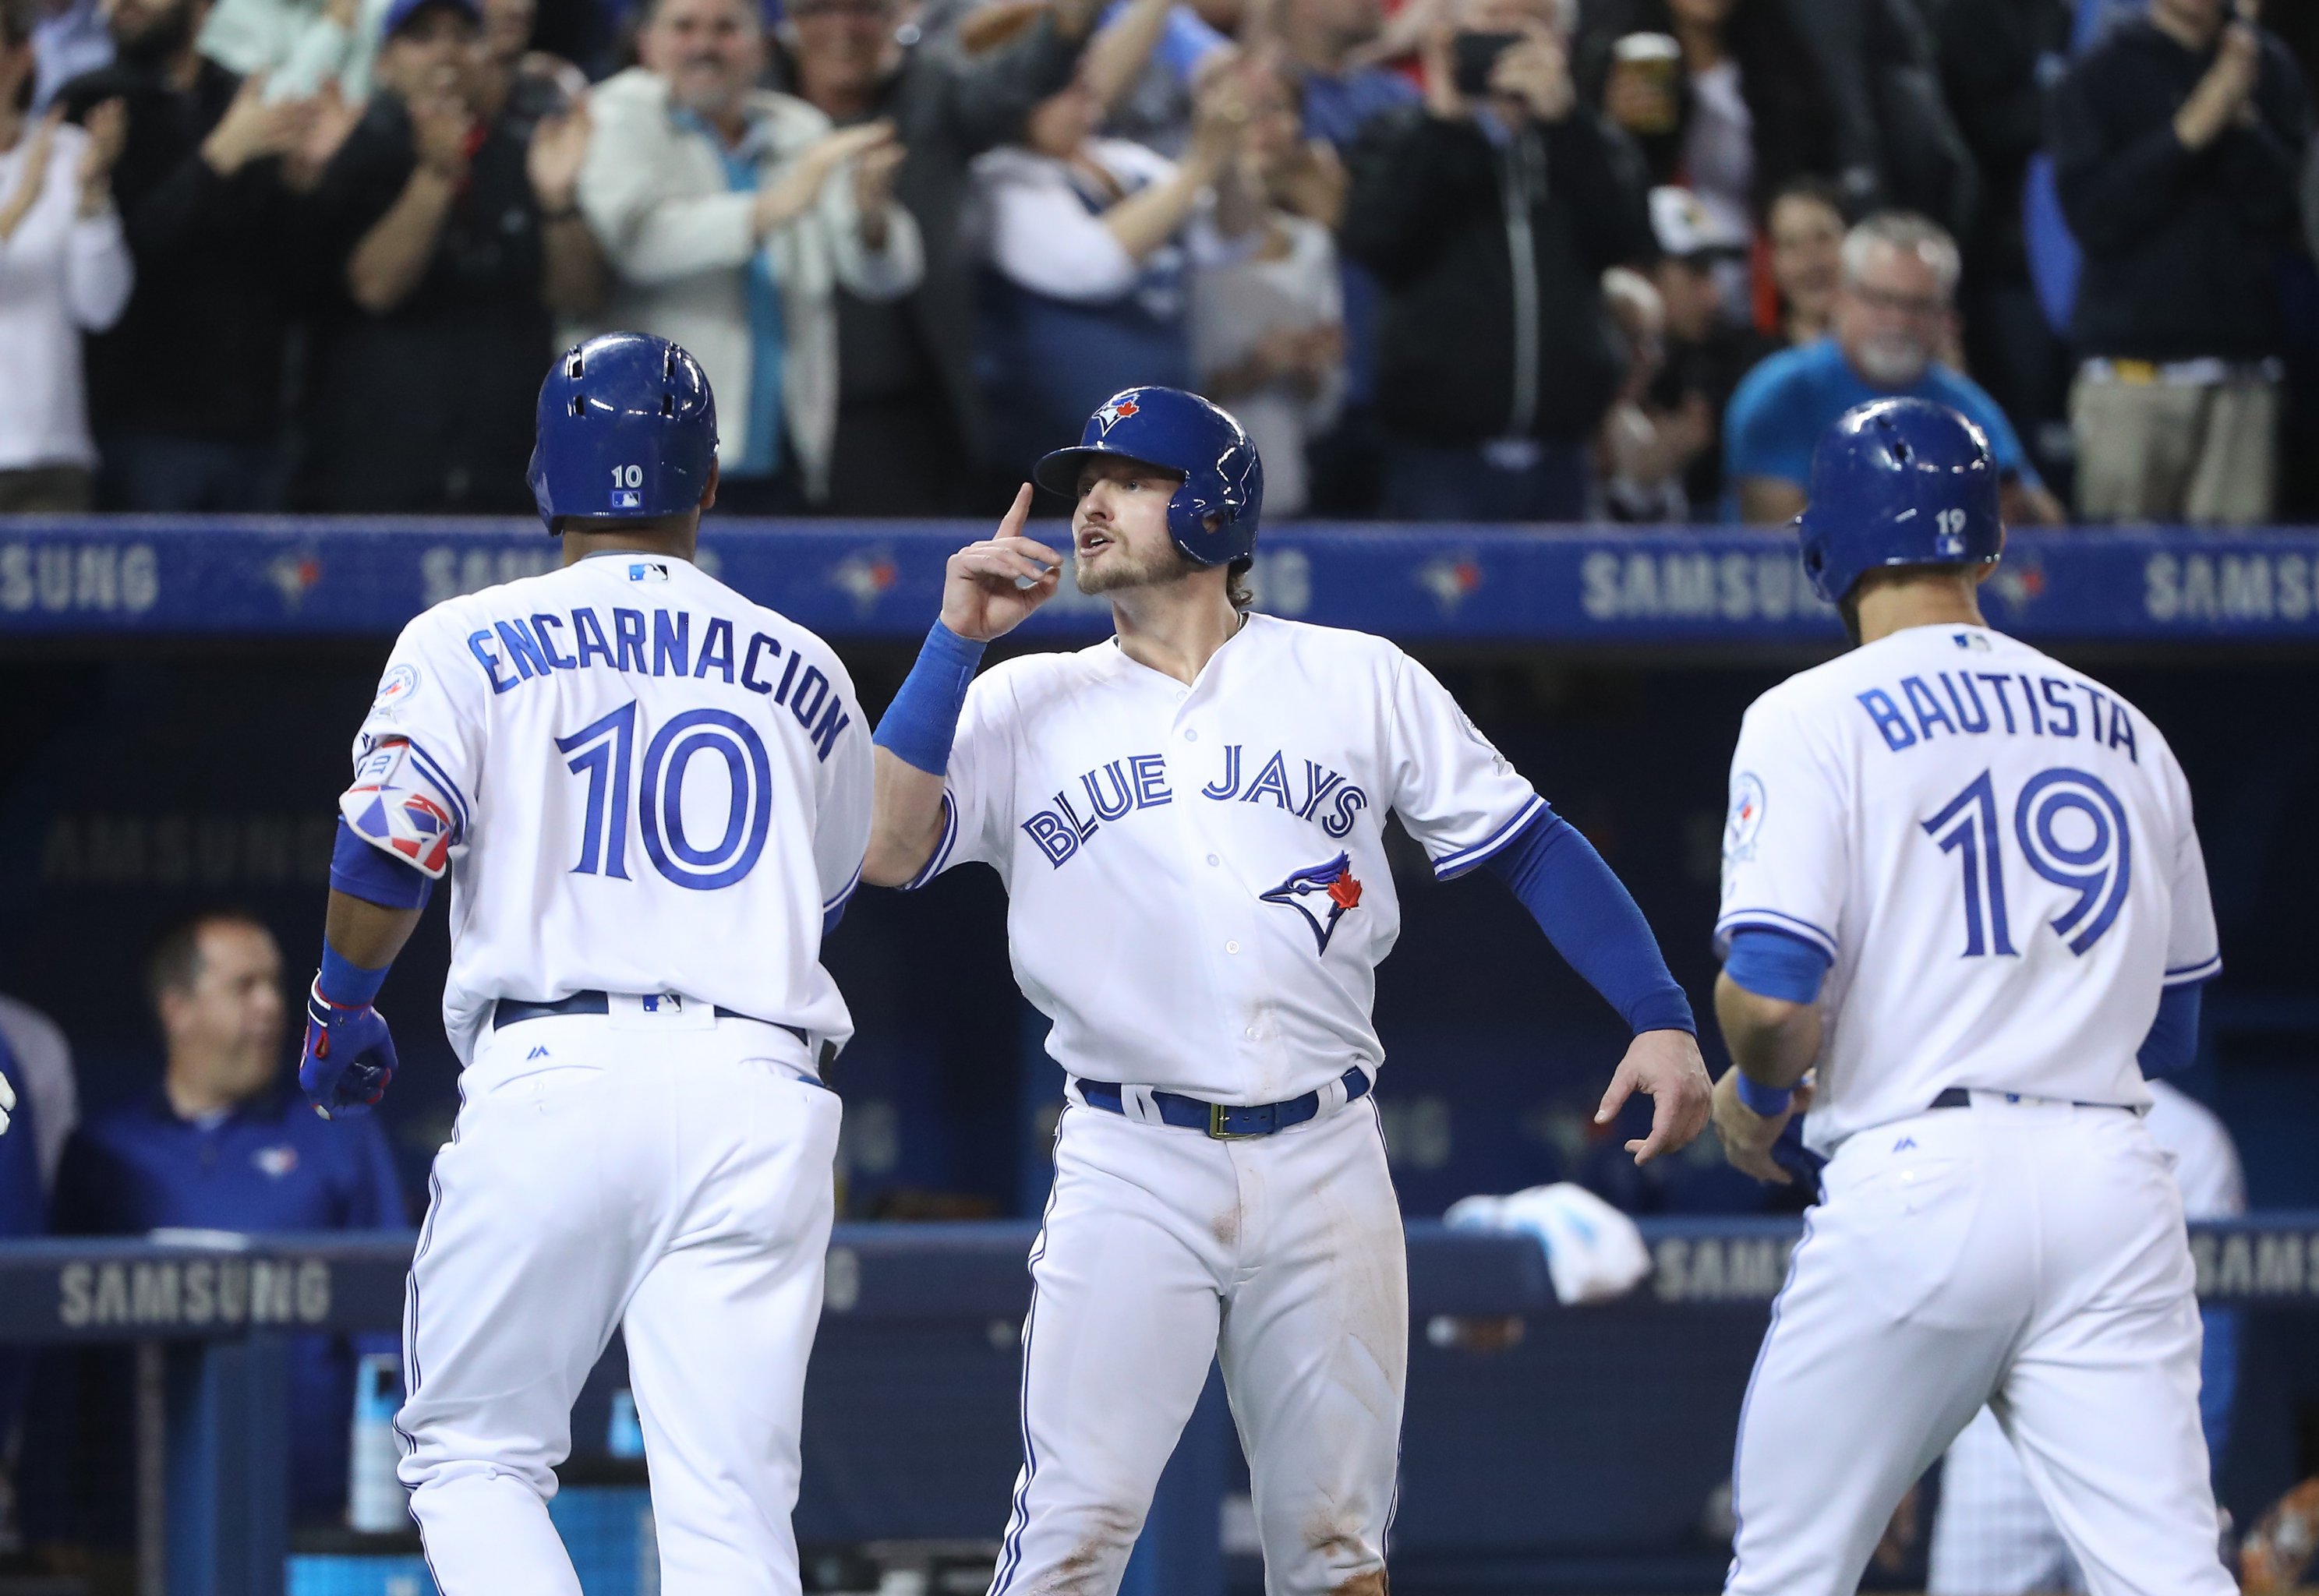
(863, 580)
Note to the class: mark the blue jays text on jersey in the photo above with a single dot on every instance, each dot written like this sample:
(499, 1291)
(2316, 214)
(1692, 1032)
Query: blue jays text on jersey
(1120, 787)
(514, 652)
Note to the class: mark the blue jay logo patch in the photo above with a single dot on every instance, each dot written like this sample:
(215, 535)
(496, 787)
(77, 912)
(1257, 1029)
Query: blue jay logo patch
(1321, 893)
(1117, 410)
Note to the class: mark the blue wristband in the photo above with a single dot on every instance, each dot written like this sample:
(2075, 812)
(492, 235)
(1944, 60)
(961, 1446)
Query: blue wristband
(921, 722)
(345, 983)
(1771, 1101)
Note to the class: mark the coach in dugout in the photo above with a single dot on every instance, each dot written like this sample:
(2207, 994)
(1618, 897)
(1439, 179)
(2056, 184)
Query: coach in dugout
(220, 1144)
(1895, 320)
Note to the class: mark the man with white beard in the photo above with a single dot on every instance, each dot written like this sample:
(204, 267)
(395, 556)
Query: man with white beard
(1894, 336)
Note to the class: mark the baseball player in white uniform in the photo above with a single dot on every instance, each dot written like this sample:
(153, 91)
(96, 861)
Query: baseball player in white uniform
(652, 797)
(1189, 819)
(1991, 1536)
(1962, 888)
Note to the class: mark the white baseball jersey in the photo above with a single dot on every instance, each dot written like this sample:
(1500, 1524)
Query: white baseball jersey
(1995, 852)
(1198, 889)
(646, 784)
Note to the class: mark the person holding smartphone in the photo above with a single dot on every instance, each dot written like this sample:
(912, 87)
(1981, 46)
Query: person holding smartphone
(1489, 213)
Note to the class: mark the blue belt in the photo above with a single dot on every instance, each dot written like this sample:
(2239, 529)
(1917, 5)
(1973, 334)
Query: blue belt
(512, 1011)
(1961, 1097)
(1226, 1122)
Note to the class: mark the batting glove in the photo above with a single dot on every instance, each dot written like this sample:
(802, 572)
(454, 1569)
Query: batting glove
(349, 1058)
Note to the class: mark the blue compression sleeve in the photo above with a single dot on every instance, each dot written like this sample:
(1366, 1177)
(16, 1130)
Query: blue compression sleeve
(1592, 921)
(376, 875)
(923, 718)
(1774, 964)
(2173, 1040)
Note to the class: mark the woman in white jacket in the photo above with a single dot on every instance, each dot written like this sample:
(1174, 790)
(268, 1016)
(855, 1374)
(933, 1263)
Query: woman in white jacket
(731, 215)
(64, 269)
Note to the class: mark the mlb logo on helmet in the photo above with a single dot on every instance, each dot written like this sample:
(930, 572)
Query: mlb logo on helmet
(628, 498)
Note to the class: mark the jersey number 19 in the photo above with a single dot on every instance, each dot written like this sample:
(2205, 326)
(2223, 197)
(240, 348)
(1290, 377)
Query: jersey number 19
(2072, 831)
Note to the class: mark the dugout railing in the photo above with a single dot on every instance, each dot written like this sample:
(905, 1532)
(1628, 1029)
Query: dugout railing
(910, 1430)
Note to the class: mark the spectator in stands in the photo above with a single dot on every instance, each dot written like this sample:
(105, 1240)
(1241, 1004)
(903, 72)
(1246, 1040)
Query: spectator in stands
(538, 85)
(205, 188)
(2177, 141)
(299, 45)
(1268, 330)
(1738, 112)
(1324, 43)
(1805, 230)
(66, 270)
(1086, 241)
(906, 367)
(732, 214)
(1996, 59)
(1895, 146)
(1496, 361)
(1328, 47)
(70, 39)
(1147, 86)
(1640, 453)
(1704, 353)
(1893, 315)
(454, 237)
(225, 1144)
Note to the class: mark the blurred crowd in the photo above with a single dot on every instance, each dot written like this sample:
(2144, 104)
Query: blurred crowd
(1446, 259)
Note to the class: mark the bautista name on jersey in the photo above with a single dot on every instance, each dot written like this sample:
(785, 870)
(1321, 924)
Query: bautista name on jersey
(1198, 895)
(639, 776)
(1995, 852)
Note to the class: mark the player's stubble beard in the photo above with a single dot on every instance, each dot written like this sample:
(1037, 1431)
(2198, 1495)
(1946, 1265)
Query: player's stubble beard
(1126, 568)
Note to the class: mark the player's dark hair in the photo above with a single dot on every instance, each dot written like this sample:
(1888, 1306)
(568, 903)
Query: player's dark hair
(1236, 581)
(175, 962)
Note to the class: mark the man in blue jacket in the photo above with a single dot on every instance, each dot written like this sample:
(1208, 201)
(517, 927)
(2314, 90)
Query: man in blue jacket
(221, 1145)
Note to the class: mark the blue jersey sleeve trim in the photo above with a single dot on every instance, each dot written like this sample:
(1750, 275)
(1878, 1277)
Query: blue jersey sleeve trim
(1451, 866)
(1772, 920)
(1773, 963)
(2205, 970)
(361, 868)
(942, 846)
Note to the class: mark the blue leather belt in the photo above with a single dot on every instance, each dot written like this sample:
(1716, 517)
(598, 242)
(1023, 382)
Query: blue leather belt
(511, 1011)
(1961, 1097)
(1226, 1122)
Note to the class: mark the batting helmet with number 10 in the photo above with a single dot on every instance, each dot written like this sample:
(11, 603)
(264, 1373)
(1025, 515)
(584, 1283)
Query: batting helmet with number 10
(627, 430)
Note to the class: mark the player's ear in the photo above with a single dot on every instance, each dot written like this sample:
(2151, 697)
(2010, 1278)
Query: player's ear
(709, 493)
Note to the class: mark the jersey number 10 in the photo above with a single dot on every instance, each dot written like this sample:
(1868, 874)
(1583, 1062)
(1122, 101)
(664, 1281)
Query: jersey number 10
(2095, 860)
(602, 755)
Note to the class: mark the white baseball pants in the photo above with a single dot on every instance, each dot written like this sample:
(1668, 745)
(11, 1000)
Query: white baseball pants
(672, 1175)
(1162, 1250)
(1992, 1537)
(2026, 1255)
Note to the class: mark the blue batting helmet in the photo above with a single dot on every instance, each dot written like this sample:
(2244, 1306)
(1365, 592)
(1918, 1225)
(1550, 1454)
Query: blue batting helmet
(1899, 482)
(1167, 427)
(627, 428)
